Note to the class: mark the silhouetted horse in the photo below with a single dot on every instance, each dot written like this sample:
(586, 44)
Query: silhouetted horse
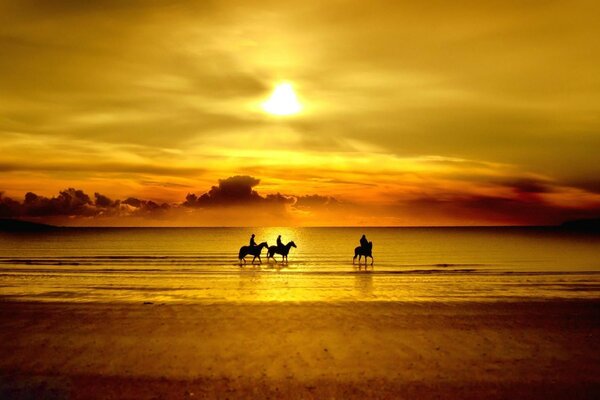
(363, 252)
(284, 250)
(253, 251)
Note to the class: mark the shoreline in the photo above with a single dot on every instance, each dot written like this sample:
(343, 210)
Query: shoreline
(420, 304)
(527, 349)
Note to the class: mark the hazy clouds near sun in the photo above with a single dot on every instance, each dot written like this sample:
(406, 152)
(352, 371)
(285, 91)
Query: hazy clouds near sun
(401, 101)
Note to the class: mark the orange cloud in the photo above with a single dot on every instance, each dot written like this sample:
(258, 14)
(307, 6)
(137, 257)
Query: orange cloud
(235, 202)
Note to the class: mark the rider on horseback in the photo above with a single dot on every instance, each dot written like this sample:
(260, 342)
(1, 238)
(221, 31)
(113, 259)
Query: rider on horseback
(252, 242)
(364, 250)
(364, 243)
(279, 243)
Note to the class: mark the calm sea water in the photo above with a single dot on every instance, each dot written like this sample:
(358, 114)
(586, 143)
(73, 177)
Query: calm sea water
(200, 265)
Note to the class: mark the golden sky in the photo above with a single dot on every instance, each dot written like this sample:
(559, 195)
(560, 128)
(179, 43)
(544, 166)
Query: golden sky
(409, 113)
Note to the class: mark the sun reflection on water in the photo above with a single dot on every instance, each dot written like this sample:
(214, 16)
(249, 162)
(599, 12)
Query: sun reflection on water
(201, 265)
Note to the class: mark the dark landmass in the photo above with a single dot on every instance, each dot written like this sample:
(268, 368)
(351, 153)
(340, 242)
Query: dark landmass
(592, 224)
(15, 225)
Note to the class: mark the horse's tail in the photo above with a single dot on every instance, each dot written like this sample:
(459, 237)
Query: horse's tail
(370, 246)
(242, 253)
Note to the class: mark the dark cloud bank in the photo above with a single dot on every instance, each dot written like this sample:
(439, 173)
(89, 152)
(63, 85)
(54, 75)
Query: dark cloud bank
(525, 207)
(234, 191)
(75, 203)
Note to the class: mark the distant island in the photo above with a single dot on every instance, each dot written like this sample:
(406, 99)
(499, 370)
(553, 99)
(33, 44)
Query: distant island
(591, 224)
(23, 226)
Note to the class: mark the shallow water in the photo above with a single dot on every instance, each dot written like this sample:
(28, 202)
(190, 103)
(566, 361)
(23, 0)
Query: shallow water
(200, 265)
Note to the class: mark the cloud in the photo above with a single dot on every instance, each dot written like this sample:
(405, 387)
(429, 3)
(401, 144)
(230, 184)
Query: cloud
(234, 201)
(148, 207)
(72, 202)
(235, 191)
(132, 201)
(530, 186)
(590, 184)
(473, 209)
(9, 207)
(69, 202)
(104, 202)
(315, 201)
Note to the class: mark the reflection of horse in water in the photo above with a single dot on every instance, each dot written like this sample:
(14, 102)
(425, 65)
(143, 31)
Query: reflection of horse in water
(283, 251)
(253, 251)
(365, 252)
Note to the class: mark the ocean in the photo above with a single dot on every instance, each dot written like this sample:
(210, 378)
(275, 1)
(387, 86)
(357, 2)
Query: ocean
(200, 265)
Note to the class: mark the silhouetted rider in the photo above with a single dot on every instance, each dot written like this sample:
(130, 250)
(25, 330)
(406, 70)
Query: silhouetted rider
(364, 243)
(279, 244)
(252, 242)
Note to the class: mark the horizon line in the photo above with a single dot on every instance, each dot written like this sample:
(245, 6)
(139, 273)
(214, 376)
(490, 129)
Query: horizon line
(281, 226)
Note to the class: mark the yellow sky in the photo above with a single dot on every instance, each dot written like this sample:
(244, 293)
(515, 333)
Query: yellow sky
(420, 112)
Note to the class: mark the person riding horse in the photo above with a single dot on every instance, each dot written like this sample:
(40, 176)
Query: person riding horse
(364, 243)
(252, 242)
(283, 249)
(364, 250)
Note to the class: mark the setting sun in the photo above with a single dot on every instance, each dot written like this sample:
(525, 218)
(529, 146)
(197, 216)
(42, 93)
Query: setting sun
(283, 101)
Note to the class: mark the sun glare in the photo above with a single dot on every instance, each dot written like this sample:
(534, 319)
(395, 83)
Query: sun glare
(283, 101)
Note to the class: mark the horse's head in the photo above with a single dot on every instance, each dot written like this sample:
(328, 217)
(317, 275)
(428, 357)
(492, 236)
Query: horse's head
(292, 244)
(263, 244)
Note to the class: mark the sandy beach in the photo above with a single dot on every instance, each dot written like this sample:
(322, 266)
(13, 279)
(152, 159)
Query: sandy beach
(528, 349)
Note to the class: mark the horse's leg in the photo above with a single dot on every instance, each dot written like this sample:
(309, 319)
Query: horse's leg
(372, 260)
(259, 260)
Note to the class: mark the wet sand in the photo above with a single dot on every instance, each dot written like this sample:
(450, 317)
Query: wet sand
(545, 349)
